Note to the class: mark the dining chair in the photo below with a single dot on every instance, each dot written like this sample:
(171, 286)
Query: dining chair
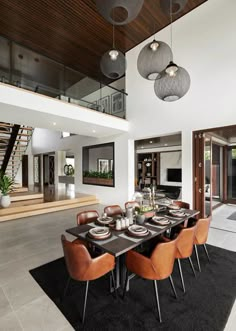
(82, 267)
(200, 237)
(158, 266)
(181, 204)
(132, 204)
(114, 210)
(185, 249)
(88, 216)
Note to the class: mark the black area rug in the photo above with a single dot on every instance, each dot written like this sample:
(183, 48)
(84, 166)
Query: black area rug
(205, 306)
(232, 217)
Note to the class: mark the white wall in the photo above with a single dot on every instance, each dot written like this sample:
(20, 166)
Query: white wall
(203, 43)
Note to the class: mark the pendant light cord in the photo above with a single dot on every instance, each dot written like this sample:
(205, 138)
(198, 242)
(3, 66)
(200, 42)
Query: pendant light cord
(171, 32)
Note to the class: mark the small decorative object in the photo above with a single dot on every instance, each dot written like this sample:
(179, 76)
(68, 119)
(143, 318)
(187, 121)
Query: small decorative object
(68, 170)
(148, 164)
(153, 59)
(176, 8)
(127, 10)
(118, 225)
(6, 187)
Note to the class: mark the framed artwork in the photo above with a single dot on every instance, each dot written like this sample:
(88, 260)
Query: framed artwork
(103, 165)
(117, 102)
(104, 104)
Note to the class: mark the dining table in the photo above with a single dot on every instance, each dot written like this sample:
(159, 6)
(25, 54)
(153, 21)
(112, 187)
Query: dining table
(121, 242)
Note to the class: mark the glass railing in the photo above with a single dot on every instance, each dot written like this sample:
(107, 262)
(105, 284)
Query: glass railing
(29, 70)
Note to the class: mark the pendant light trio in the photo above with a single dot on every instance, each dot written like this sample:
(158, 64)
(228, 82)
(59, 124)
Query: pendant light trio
(155, 61)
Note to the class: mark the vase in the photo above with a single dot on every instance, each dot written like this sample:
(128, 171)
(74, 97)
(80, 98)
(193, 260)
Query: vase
(140, 219)
(5, 201)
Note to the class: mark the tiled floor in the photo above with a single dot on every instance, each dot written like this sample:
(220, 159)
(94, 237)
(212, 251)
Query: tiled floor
(30, 242)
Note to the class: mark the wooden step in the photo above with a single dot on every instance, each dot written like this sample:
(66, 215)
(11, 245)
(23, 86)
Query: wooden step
(23, 197)
(49, 207)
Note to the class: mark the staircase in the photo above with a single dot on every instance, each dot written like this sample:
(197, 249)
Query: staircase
(14, 140)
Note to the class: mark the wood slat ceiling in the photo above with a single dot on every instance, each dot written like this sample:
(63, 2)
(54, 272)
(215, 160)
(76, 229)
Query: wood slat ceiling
(72, 32)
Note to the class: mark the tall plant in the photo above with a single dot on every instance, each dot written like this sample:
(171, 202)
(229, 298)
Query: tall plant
(6, 184)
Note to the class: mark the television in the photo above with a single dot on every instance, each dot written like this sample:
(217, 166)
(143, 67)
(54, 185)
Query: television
(174, 175)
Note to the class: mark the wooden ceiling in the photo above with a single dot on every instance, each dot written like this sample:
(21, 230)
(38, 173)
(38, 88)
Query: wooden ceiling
(73, 33)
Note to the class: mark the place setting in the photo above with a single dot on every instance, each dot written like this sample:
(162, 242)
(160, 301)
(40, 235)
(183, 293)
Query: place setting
(104, 220)
(99, 233)
(137, 231)
(160, 221)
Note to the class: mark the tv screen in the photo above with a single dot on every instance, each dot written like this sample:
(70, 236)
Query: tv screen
(174, 175)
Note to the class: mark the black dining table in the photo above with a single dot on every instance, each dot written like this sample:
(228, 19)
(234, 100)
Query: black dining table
(121, 242)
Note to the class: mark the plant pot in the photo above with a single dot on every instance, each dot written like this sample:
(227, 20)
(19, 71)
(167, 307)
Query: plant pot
(140, 219)
(98, 181)
(5, 201)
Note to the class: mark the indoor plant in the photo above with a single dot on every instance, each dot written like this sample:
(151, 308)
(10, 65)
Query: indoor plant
(6, 186)
(98, 178)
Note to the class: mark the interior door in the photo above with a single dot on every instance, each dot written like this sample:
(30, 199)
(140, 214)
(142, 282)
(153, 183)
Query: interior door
(202, 166)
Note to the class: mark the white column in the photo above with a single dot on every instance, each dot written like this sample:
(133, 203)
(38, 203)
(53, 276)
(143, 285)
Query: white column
(187, 164)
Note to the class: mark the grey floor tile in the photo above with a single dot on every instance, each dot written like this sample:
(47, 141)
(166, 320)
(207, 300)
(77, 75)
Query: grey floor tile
(41, 315)
(22, 291)
(9, 322)
(5, 307)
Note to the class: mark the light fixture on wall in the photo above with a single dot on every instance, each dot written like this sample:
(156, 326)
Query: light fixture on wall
(126, 10)
(174, 81)
(113, 62)
(153, 59)
(176, 8)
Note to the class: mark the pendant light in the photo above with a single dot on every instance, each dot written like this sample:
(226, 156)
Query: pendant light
(153, 59)
(113, 62)
(176, 8)
(130, 9)
(174, 81)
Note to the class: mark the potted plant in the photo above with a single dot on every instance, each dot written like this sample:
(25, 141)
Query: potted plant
(6, 186)
(98, 178)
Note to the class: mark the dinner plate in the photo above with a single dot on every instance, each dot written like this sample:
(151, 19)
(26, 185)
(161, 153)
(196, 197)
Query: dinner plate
(174, 207)
(160, 220)
(177, 213)
(104, 220)
(99, 233)
(137, 230)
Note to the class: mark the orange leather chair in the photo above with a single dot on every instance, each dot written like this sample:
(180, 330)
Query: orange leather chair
(201, 235)
(185, 248)
(131, 204)
(114, 210)
(88, 216)
(156, 267)
(81, 267)
(181, 204)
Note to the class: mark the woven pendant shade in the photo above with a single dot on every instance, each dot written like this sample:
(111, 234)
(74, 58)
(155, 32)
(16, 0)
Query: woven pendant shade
(113, 68)
(110, 10)
(151, 62)
(172, 88)
(177, 6)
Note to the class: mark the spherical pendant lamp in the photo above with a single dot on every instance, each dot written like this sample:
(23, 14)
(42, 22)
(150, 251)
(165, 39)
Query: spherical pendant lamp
(173, 84)
(119, 12)
(113, 64)
(177, 6)
(153, 59)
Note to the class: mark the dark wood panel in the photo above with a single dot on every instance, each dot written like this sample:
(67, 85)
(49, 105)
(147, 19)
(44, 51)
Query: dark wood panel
(73, 33)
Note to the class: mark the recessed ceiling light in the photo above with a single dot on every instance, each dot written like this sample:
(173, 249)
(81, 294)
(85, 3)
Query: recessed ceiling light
(54, 123)
(165, 144)
(94, 131)
(141, 147)
(150, 141)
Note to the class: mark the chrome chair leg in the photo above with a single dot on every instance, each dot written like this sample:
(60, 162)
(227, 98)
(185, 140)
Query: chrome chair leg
(114, 284)
(173, 286)
(85, 300)
(181, 275)
(191, 263)
(204, 245)
(157, 299)
(126, 282)
(198, 262)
